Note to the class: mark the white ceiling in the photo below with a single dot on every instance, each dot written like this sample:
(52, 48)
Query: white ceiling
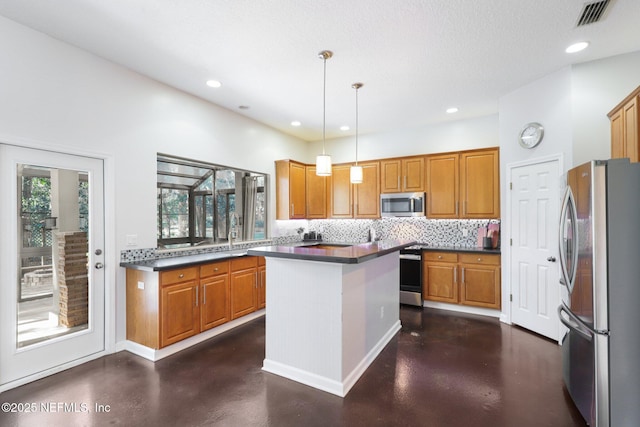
(415, 57)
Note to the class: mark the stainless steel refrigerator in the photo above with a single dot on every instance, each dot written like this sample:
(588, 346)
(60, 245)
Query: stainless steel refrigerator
(600, 268)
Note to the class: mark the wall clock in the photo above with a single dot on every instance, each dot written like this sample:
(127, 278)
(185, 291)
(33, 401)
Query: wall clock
(531, 135)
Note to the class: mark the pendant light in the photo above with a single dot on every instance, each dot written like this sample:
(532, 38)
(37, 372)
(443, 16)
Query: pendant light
(356, 171)
(323, 161)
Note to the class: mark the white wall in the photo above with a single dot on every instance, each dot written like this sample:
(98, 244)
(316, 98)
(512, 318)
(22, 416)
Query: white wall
(458, 135)
(572, 105)
(59, 97)
(597, 87)
(547, 101)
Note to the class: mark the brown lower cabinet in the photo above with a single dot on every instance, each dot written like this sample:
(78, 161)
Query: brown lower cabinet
(167, 307)
(262, 283)
(244, 281)
(462, 278)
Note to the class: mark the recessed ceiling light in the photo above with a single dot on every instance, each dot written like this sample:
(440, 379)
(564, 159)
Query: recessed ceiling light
(577, 47)
(213, 83)
(452, 110)
(295, 123)
(344, 128)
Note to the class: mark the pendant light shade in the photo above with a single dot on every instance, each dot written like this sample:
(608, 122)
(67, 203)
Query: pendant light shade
(356, 171)
(323, 165)
(356, 174)
(323, 161)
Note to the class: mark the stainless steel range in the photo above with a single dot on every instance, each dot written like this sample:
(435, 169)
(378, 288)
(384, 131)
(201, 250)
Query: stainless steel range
(411, 275)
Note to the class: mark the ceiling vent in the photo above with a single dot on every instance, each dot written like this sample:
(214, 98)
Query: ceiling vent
(592, 12)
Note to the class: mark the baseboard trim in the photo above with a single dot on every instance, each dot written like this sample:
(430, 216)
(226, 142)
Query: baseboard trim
(463, 309)
(155, 355)
(339, 388)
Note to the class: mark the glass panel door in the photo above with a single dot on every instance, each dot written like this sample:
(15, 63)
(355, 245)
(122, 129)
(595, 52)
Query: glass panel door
(52, 293)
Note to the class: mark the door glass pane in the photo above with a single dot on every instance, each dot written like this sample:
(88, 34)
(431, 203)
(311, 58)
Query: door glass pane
(53, 288)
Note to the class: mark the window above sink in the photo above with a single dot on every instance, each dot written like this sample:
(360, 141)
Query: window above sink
(201, 203)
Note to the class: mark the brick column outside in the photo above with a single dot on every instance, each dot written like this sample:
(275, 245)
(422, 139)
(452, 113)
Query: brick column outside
(73, 279)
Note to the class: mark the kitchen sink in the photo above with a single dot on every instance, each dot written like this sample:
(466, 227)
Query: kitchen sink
(328, 246)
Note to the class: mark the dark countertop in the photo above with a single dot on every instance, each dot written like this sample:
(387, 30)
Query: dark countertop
(469, 249)
(171, 263)
(353, 254)
(349, 253)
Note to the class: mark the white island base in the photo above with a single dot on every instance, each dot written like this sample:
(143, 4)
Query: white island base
(326, 322)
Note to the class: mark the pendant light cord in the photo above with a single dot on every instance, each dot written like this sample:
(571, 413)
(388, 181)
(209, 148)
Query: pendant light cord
(357, 126)
(324, 102)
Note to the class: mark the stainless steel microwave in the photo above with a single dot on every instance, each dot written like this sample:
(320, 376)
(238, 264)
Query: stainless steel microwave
(403, 204)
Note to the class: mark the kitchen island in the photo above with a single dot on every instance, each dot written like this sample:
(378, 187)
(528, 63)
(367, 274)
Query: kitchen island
(331, 309)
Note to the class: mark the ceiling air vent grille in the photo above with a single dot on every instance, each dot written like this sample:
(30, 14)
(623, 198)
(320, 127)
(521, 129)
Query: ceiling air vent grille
(592, 12)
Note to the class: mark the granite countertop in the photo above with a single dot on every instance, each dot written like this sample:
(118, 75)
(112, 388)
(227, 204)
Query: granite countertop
(171, 263)
(344, 253)
(470, 249)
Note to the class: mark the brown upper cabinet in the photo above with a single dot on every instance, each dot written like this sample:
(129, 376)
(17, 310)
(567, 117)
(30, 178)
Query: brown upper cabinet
(316, 194)
(367, 193)
(625, 124)
(347, 200)
(459, 185)
(464, 185)
(340, 195)
(290, 190)
(402, 175)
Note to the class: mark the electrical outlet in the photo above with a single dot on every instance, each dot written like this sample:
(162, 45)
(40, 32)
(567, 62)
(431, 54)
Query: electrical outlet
(140, 285)
(132, 240)
(465, 232)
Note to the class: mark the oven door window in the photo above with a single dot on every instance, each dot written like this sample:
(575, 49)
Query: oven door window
(410, 275)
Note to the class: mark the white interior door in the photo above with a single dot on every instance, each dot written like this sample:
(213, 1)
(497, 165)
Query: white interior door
(51, 253)
(535, 289)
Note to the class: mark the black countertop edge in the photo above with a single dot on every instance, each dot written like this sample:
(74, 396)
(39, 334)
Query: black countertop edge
(354, 254)
(469, 249)
(171, 263)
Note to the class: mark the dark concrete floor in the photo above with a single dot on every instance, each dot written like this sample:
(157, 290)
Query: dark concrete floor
(441, 369)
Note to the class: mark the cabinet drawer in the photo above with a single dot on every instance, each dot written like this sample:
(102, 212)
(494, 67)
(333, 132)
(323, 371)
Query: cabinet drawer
(244, 263)
(261, 260)
(440, 256)
(179, 275)
(214, 269)
(480, 259)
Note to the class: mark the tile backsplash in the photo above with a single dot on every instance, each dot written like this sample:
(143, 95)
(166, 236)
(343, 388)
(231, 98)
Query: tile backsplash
(436, 232)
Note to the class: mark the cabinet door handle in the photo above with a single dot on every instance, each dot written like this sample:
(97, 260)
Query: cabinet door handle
(398, 181)
(293, 211)
(457, 207)
(455, 275)
(204, 295)
(197, 287)
(462, 275)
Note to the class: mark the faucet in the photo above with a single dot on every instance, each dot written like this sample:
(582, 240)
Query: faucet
(232, 229)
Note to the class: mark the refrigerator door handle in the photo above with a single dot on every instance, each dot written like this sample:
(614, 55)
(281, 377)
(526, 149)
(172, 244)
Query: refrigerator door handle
(568, 271)
(574, 323)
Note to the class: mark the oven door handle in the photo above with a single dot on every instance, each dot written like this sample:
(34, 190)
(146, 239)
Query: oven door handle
(411, 257)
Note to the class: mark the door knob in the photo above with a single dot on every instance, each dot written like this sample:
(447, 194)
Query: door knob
(99, 265)
(551, 259)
